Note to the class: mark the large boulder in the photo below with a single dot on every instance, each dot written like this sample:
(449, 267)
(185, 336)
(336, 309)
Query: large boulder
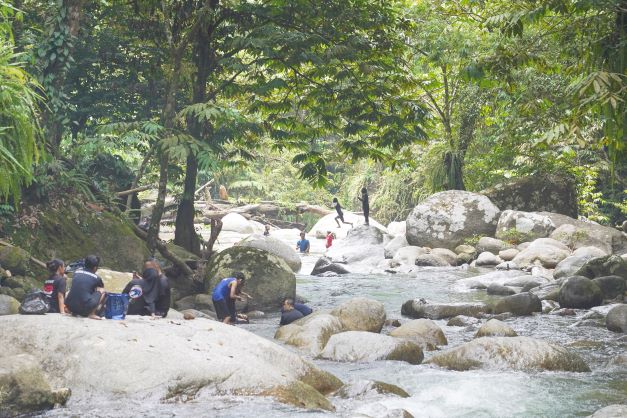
(268, 277)
(9, 305)
(495, 328)
(508, 254)
(578, 234)
(408, 254)
(363, 247)
(447, 218)
(15, 259)
(24, 388)
(570, 266)
(394, 245)
(324, 264)
(515, 353)
(579, 292)
(550, 193)
(431, 260)
(234, 222)
(612, 411)
(610, 265)
(524, 303)
(420, 308)
(192, 357)
(612, 286)
(361, 314)
(397, 228)
(444, 253)
(424, 332)
(492, 245)
(276, 247)
(517, 226)
(360, 346)
(543, 251)
(616, 319)
(310, 333)
(486, 258)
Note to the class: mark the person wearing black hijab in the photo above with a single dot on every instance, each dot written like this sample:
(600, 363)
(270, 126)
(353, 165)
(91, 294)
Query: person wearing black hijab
(143, 293)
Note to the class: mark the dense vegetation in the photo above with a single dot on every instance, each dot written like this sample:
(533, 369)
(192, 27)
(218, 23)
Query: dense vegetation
(300, 101)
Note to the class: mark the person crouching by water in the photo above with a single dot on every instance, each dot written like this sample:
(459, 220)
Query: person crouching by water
(143, 293)
(162, 305)
(291, 311)
(224, 295)
(55, 285)
(87, 294)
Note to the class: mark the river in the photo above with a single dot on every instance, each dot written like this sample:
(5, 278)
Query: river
(434, 392)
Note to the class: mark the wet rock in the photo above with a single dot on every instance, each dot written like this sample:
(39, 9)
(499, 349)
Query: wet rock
(612, 286)
(616, 319)
(420, 308)
(392, 323)
(465, 248)
(525, 281)
(610, 265)
(497, 289)
(361, 314)
(462, 321)
(507, 265)
(324, 265)
(495, 328)
(269, 278)
(445, 254)
(549, 306)
(423, 332)
(408, 254)
(579, 292)
(612, 411)
(380, 410)
(235, 222)
(569, 266)
(394, 245)
(519, 225)
(9, 305)
(523, 246)
(301, 395)
(484, 280)
(515, 353)
(397, 228)
(327, 223)
(365, 388)
(589, 252)
(487, 259)
(520, 304)
(548, 291)
(578, 234)
(431, 260)
(310, 333)
(274, 246)
(255, 314)
(465, 258)
(492, 245)
(446, 219)
(23, 387)
(360, 346)
(508, 254)
(543, 251)
(564, 312)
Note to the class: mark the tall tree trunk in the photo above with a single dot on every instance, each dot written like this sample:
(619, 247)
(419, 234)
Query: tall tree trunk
(185, 232)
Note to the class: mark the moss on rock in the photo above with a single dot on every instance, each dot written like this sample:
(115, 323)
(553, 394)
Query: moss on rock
(15, 259)
(301, 395)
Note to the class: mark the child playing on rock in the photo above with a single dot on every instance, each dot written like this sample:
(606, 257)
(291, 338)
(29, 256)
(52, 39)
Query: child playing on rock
(340, 214)
(329, 239)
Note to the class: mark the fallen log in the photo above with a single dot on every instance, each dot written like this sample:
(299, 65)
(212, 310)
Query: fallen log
(319, 210)
(163, 250)
(135, 190)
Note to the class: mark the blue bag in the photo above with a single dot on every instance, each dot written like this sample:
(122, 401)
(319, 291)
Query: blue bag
(116, 305)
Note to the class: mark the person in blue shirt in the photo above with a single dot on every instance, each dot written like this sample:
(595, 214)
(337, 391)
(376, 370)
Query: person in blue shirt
(303, 244)
(224, 295)
(291, 311)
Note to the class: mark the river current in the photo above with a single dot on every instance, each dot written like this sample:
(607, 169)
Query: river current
(435, 392)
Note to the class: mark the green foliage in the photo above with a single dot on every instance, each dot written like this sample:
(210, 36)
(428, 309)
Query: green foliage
(515, 237)
(54, 179)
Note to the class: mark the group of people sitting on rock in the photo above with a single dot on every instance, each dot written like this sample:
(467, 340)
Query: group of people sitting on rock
(149, 294)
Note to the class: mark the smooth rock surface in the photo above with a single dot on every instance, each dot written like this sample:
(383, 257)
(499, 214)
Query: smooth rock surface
(360, 346)
(543, 251)
(616, 319)
(446, 219)
(274, 246)
(486, 258)
(519, 225)
(310, 333)
(520, 304)
(9, 305)
(611, 411)
(420, 308)
(394, 245)
(408, 254)
(492, 245)
(361, 314)
(424, 332)
(579, 292)
(515, 353)
(431, 260)
(495, 328)
(612, 286)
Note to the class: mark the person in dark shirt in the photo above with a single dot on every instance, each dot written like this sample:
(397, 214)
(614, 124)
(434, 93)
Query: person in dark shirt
(143, 293)
(365, 204)
(291, 311)
(162, 305)
(55, 285)
(340, 214)
(303, 244)
(87, 292)
(266, 231)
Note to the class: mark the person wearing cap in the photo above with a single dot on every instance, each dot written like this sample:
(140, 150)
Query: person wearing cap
(224, 295)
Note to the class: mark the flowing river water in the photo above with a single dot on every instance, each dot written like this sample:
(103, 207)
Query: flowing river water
(435, 392)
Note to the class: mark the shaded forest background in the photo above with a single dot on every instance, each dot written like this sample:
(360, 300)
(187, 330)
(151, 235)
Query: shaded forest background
(292, 101)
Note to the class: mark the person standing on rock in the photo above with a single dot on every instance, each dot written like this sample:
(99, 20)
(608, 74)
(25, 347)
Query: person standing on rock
(266, 231)
(365, 204)
(340, 214)
(224, 295)
(87, 294)
(303, 245)
(55, 285)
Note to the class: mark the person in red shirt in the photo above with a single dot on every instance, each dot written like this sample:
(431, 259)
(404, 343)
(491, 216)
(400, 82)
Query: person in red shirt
(329, 239)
